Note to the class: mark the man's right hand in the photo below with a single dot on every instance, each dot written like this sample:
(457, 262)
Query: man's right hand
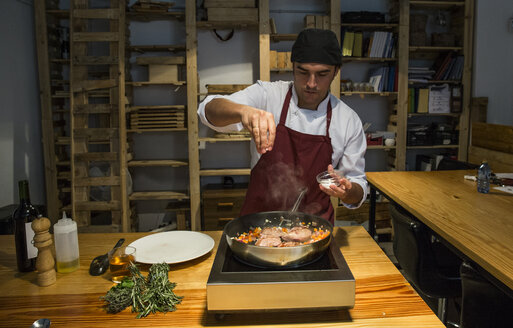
(262, 127)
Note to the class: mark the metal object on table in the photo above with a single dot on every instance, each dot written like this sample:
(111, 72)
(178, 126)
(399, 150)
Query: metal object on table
(41, 323)
(280, 257)
(325, 284)
(100, 264)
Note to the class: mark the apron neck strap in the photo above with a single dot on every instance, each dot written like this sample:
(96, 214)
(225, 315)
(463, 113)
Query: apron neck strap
(285, 110)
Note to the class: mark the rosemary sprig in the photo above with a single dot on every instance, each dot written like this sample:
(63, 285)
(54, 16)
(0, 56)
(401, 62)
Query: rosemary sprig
(145, 295)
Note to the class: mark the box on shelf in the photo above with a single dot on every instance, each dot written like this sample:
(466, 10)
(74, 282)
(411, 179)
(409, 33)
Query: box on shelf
(233, 14)
(419, 135)
(162, 69)
(374, 139)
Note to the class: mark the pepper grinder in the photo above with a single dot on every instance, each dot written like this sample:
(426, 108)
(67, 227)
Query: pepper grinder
(45, 263)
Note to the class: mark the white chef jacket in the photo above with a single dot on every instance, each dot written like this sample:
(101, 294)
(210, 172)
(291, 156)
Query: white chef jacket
(346, 131)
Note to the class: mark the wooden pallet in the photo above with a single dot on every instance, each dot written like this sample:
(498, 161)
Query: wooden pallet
(88, 78)
(148, 118)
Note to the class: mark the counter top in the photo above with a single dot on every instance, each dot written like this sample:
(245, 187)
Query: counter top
(383, 296)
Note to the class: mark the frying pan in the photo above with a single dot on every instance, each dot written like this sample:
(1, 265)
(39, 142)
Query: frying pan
(276, 257)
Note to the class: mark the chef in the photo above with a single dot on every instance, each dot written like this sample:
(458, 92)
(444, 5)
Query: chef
(298, 130)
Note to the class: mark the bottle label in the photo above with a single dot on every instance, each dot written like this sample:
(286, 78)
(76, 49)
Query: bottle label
(29, 236)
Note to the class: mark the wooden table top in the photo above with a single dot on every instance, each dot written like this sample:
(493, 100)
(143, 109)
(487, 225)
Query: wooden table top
(478, 225)
(383, 296)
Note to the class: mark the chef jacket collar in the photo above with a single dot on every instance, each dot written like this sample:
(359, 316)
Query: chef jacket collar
(323, 105)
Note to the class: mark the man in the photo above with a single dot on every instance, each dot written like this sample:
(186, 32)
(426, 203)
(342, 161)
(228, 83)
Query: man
(316, 131)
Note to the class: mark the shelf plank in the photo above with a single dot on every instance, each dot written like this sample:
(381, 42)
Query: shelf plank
(221, 172)
(368, 59)
(157, 48)
(156, 130)
(213, 140)
(373, 147)
(114, 205)
(158, 195)
(370, 93)
(210, 25)
(436, 82)
(137, 108)
(146, 83)
(434, 49)
(433, 114)
(436, 4)
(154, 16)
(432, 147)
(283, 37)
(157, 162)
(371, 25)
(281, 70)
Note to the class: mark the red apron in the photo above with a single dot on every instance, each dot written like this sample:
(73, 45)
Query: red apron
(293, 163)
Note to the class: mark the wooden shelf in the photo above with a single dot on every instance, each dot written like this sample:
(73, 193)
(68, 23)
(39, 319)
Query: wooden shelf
(283, 37)
(147, 83)
(281, 70)
(221, 172)
(211, 25)
(373, 147)
(149, 16)
(433, 114)
(157, 48)
(368, 59)
(157, 162)
(433, 48)
(367, 93)
(156, 130)
(436, 4)
(436, 82)
(136, 108)
(157, 195)
(432, 147)
(213, 140)
(370, 26)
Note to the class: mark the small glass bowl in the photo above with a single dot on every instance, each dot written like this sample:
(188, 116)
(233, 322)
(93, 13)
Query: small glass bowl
(326, 179)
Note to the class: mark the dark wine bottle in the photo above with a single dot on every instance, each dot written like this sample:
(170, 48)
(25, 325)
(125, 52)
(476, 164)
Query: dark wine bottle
(26, 252)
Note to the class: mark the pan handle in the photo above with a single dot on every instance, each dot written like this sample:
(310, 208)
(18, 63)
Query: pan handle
(302, 192)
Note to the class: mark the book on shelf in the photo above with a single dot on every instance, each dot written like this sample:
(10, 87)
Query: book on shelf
(423, 100)
(441, 65)
(383, 79)
(358, 44)
(347, 45)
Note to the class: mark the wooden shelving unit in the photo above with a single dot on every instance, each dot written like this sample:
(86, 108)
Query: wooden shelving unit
(50, 24)
(55, 99)
(166, 119)
(465, 10)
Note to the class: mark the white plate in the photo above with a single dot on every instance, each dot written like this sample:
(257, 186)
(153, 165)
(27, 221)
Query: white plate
(172, 247)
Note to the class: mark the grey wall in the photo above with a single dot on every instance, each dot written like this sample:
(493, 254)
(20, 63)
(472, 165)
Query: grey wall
(493, 59)
(21, 155)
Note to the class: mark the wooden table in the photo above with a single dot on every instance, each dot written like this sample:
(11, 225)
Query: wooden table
(479, 226)
(383, 297)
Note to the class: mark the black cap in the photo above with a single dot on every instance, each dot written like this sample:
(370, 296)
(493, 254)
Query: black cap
(317, 46)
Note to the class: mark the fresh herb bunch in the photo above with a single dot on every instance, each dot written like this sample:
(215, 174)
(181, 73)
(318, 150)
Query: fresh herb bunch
(145, 295)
